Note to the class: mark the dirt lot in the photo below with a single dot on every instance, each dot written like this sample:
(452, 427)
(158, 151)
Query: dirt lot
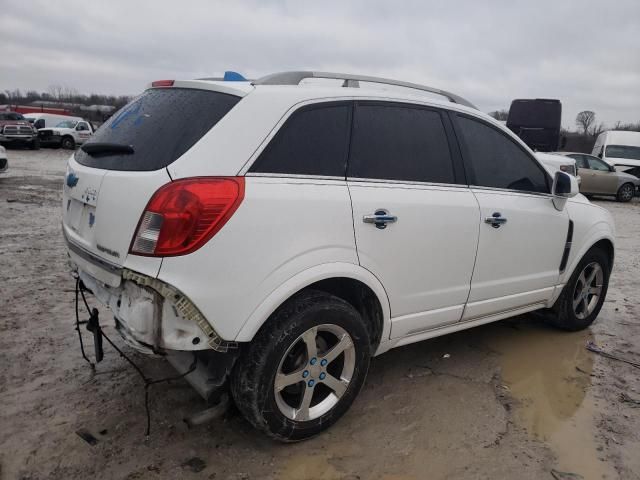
(509, 400)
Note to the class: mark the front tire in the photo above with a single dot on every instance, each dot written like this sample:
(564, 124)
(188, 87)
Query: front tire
(626, 192)
(35, 144)
(582, 297)
(304, 368)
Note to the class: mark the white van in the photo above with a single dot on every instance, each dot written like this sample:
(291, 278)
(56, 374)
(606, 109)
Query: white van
(619, 148)
(45, 120)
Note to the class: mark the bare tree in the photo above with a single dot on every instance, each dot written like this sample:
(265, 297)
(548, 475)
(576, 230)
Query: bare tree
(584, 120)
(598, 129)
(500, 114)
(56, 91)
(69, 93)
(13, 95)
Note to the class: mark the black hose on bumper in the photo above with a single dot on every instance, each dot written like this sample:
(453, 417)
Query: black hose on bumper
(93, 325)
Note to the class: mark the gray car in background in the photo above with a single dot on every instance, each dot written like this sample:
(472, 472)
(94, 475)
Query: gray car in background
(601, 178)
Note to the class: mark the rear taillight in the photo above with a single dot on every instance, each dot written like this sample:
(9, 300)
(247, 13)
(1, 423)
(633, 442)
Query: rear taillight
(183, 215)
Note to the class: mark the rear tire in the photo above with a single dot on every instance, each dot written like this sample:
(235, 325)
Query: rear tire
(68, 143)
(290, 383)
(626, 192)
(583, 295)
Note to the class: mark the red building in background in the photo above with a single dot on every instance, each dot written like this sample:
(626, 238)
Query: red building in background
(34, 109)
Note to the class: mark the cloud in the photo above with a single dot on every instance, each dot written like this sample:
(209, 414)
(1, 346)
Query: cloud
(584, 54)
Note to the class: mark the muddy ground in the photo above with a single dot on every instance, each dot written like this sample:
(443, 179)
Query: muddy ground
(510, 400)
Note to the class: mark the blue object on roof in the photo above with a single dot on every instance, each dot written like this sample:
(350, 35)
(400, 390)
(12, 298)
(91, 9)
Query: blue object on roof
(233, 77)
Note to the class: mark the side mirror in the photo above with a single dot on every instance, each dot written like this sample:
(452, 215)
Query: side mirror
(564, 186)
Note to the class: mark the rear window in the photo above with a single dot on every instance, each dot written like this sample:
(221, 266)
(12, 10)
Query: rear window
(160, 125)
(67, 124)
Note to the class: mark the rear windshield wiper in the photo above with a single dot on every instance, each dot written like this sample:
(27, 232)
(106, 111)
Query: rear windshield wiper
(107, 148)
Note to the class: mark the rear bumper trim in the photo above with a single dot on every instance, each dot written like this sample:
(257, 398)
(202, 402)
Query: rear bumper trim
(90, 257)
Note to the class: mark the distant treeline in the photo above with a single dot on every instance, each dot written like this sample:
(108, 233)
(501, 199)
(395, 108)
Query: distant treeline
(69, 99)
(61, 94)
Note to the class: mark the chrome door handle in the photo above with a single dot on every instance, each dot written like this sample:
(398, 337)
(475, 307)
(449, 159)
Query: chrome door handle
(495, 220)
(380, 219)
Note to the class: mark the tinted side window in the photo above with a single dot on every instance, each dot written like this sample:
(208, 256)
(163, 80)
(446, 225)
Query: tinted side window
(399, 143)
(313, 141)
(498, 161)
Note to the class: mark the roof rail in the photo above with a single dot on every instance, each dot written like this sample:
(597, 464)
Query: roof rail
(294, 78)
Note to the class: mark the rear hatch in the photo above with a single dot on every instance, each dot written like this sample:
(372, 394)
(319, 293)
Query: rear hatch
(111, 179)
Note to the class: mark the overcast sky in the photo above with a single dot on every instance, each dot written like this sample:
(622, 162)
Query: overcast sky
(585, 53)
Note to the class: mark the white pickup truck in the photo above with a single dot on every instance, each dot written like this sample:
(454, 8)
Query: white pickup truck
(66, 134)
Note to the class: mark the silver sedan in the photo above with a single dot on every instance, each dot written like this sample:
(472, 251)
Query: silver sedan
(600, 178)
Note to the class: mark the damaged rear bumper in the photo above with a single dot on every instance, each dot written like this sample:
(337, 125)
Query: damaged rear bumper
(145, 319)
(151, 315)
(156, 318)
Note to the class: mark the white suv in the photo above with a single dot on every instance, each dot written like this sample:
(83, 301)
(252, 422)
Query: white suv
(275, 235)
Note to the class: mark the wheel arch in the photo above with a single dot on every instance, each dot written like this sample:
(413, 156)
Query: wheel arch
(598, 239)
(606, 245)
(350, 282)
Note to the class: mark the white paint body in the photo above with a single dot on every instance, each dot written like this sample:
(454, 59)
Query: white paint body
(616, 137)
(556, 163)
(49, 120)
(439, 269)
(80, 132)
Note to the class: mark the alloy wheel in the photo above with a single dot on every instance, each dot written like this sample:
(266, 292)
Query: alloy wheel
(315, 372)
(626, 193)
(588, 290)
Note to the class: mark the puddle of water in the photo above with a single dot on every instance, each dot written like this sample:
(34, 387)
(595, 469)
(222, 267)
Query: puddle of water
(539, 367)
(309, 467)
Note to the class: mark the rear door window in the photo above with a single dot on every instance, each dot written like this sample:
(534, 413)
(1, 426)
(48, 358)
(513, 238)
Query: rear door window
(402, 143)
(497, 161)
(160, 125)
(581, 161)
(313, 141)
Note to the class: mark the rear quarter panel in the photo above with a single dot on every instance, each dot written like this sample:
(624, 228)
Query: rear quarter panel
(282, 228)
